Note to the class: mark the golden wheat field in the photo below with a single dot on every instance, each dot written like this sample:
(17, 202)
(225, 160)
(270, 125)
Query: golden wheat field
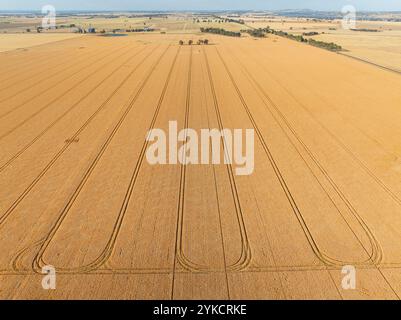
(77, 192)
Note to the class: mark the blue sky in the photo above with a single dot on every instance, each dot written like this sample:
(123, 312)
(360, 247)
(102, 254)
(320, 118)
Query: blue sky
(199, 5)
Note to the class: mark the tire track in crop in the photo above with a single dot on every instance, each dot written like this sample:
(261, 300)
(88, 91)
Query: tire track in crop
(107, 251)
(179, 252)
(18, 106)
(45, 69)
(53, 123)
(9, 211)
(14, 68)
(376, 252)
(47, 105)
(185, 262)
(246, 253)
(341, 144)
(180, 257)
(37, 55)
(376, 256)
(218, 208)
(315, 248)
(42, 63)
(352, 85)
(86, 65)
(25, 70)
(16, 261)
(365, 167)
(49, 58)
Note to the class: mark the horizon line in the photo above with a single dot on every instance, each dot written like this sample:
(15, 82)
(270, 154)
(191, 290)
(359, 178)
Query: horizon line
(186, 10)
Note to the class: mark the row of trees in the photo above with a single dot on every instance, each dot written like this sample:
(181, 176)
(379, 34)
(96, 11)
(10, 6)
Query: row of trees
(258, 33)
(240, 21)
(311, 33)
(62, 26)
(207, 21)
(261, 32)
(191, 42)
(221, 31)
(325, 45)
(316, 43)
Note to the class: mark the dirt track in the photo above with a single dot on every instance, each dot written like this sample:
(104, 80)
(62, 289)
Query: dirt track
(77, 192)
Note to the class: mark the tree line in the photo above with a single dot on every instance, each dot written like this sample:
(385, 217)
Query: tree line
(191, 42)
(261, 32)
(221, 31)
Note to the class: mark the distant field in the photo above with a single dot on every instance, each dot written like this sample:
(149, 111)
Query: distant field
(173, 23)
(383, 47)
